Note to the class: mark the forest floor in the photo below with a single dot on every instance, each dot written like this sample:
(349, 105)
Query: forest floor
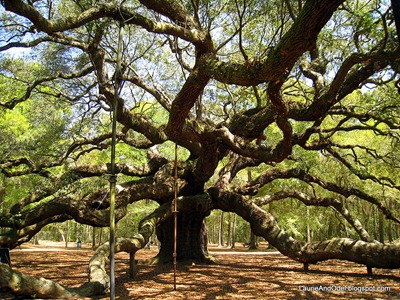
(239, 274)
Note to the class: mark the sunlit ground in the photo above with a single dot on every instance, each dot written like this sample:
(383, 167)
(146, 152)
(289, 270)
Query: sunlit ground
(240, 274)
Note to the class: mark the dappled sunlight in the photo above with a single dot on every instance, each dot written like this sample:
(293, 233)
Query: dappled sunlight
(239, 274)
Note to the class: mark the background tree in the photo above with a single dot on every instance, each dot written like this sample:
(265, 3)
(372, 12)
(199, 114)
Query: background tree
(303, 93)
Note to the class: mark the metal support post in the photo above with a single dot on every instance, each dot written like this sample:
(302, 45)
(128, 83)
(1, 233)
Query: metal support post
(175, 211)
(113, 177)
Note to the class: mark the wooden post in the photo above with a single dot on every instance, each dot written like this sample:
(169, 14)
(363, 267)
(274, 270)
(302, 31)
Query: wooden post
(369, 271)
(305, 267)
(5, 256)
(132, 265)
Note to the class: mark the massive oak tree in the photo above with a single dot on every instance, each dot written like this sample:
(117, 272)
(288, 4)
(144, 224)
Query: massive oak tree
(297, 92)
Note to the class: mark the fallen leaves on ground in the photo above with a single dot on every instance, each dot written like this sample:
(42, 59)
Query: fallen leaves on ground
(239, 274)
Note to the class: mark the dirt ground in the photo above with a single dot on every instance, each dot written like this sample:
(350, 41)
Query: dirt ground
(239, 274)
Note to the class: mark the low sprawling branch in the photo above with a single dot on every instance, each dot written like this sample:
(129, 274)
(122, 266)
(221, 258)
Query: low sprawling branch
(22, 284)
(264, 224)
(99, 280)
(93, 209)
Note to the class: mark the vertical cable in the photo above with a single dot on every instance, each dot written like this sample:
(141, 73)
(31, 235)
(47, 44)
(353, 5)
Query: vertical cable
(113, 178)
(175, 212)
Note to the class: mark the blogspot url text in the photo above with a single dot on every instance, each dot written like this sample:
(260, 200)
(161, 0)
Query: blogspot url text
(343, 288)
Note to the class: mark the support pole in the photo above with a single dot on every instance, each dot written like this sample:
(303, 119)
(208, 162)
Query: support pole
(132, 265)
(369, 271)
(175, 212)
(112, 237)
(305, 267)
(113, 177)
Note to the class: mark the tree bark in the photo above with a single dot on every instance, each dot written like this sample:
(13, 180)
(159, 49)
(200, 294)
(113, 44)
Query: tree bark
(233, 244)
(93, 237)
(220, 230)
(374, 255)
(98, 278)
(253, 241)
(381, 229)
(228, 230)
(26, 285)
(192, 239)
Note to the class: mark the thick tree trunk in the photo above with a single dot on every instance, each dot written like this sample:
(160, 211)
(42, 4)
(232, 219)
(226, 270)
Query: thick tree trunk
(191, 239)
